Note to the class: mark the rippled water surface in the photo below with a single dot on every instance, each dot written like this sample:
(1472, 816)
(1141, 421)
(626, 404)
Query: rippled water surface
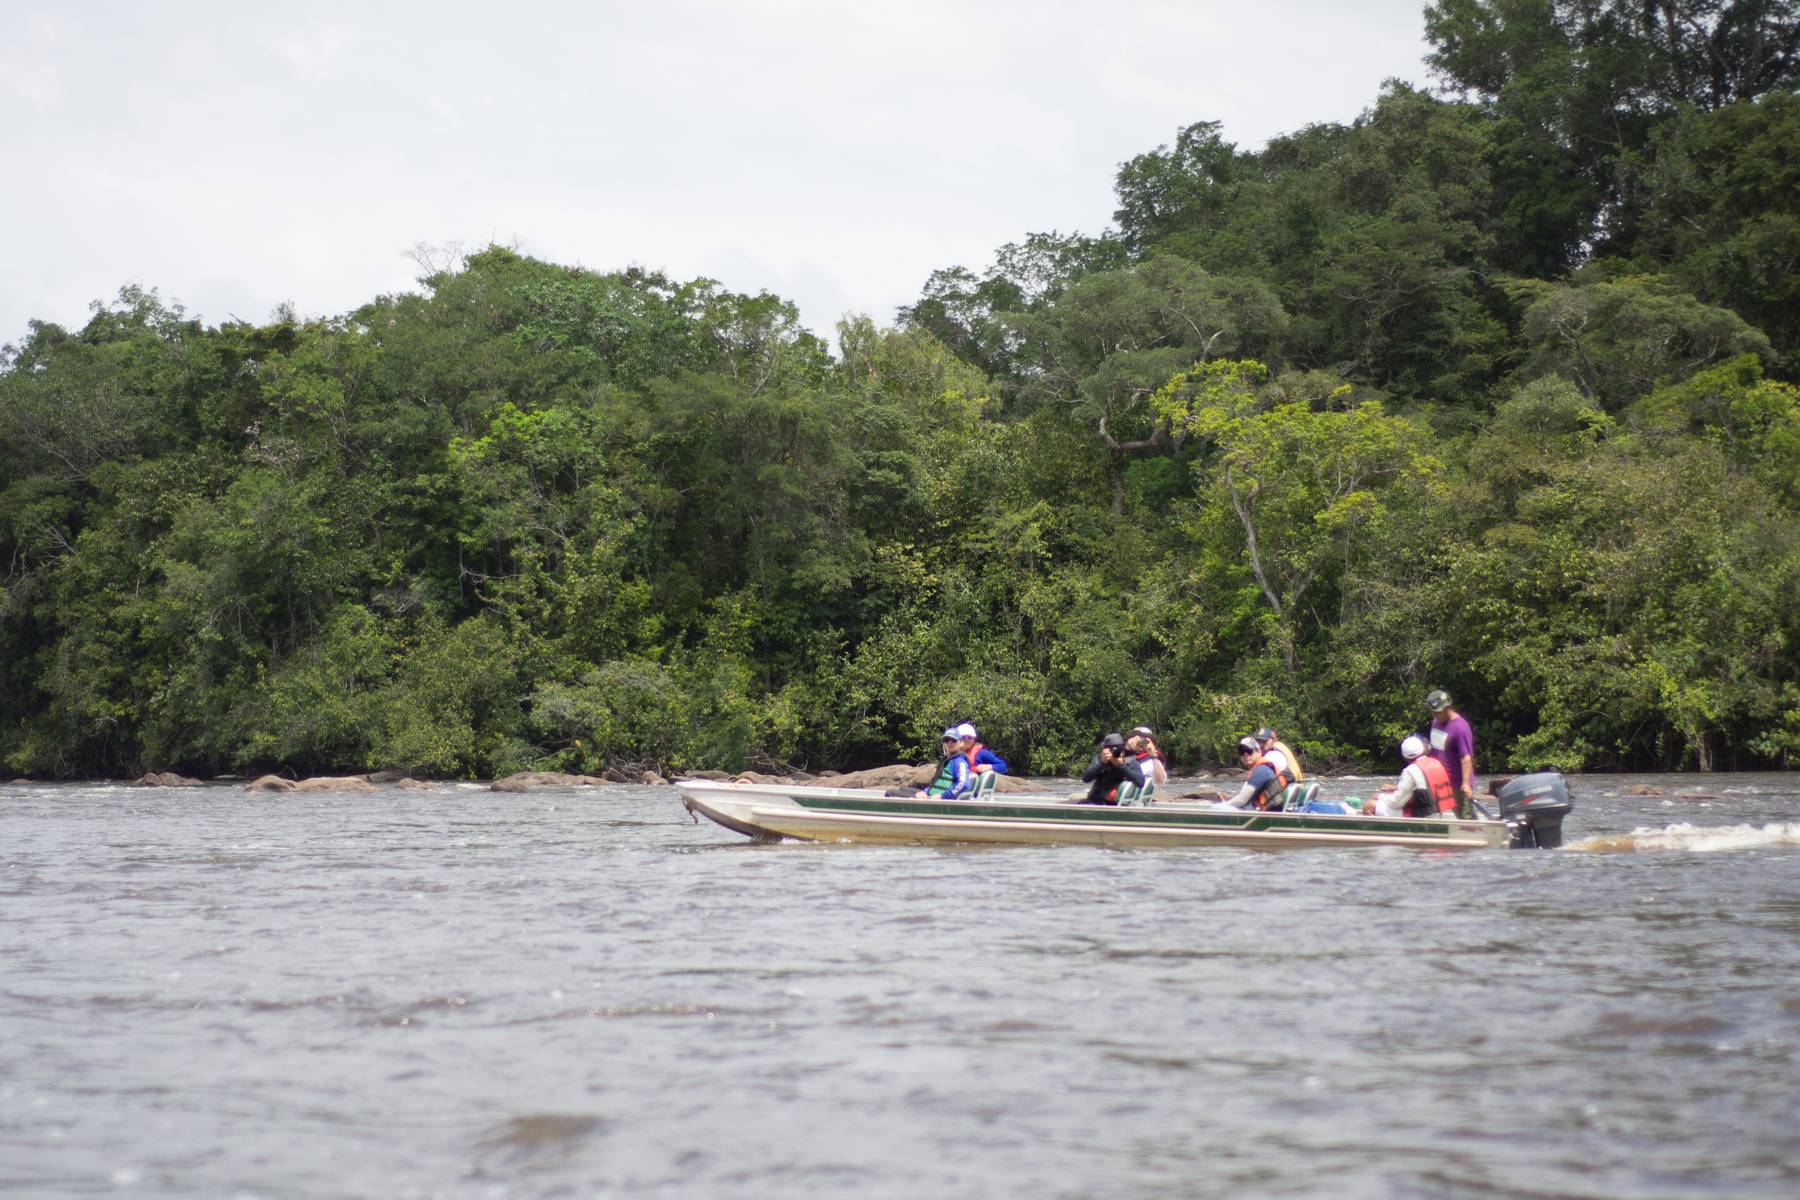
(461, 993)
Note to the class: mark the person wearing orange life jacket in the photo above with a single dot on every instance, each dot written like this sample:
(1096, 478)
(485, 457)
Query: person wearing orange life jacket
(1268, 776)
(981, 759)
(1271, 745)
(1424, 789)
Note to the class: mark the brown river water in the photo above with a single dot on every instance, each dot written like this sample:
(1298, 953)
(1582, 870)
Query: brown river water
(583, 993)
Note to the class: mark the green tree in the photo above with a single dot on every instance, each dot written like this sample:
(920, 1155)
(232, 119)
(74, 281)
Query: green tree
(1306, 484)
(1620, 339)
(1721, 199)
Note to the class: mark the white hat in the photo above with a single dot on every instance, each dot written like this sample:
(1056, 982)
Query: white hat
(1412, 746)
(965, 730)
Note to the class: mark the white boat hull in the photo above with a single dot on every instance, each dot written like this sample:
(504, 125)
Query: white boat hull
(818, 814)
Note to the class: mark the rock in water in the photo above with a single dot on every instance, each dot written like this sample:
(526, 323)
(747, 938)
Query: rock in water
(331, 783)
(896, 775)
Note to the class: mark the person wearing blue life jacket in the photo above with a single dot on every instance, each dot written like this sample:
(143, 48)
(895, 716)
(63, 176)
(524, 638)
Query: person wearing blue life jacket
(954, 776)
(981, 759)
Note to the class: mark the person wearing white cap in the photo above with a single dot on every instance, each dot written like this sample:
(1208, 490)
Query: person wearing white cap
(1142, 742)
(1424, 789)
(981, 759)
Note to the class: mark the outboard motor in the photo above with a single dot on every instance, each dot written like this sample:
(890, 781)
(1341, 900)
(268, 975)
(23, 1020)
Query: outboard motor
(1534, 806)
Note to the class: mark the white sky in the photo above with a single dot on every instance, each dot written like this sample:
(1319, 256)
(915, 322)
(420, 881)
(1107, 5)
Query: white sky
(237, 155)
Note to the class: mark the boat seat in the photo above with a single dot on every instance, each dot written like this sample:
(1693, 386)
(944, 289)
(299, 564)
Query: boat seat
(1296, 796)
(985, 785)
(1132, 796)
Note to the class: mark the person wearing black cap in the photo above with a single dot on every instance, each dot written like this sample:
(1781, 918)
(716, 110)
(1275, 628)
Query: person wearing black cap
(1453, 744)
(1272, 745)
(1113, 765)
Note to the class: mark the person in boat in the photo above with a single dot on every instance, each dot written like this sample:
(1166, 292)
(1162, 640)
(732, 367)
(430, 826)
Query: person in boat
(1453, 745)
(1266, 781)
(1280, 754)
(954, 778)
(1424, 788)
(1142, 744)
(1113, 764)
(981, 759)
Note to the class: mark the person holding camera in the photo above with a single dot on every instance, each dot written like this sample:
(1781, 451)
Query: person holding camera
(1113, 765)
(1142, 744)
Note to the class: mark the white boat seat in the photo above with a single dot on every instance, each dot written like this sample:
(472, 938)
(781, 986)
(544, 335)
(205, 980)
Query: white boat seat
(1297, 796)
(1132, 796)
(985, 785)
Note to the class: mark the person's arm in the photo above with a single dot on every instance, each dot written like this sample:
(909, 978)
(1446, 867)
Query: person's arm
(1093, 770)
(1133, 772)
(987, 758)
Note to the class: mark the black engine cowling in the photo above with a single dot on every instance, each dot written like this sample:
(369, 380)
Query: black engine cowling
(1535, 805)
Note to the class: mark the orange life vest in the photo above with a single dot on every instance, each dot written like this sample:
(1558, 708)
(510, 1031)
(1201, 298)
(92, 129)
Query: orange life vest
(1437, 776)
(977, 748)
(1276, 786)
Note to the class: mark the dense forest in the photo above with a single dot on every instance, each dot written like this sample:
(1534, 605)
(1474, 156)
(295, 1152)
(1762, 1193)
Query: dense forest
(1491, 389)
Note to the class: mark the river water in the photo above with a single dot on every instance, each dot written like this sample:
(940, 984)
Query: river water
(579, 993)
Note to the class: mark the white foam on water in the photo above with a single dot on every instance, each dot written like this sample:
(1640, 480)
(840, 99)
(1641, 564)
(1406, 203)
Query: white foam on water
(1697, 838)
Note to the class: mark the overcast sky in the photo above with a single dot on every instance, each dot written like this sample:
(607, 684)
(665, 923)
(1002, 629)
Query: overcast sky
(235, 156)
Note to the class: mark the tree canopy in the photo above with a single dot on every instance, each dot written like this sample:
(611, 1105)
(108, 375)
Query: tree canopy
(1491, 388)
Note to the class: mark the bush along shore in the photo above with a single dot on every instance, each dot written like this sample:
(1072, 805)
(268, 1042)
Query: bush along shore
(1489, 389)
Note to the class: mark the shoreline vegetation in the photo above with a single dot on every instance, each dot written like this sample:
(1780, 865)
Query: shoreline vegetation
(893, 775)
(1491, 389)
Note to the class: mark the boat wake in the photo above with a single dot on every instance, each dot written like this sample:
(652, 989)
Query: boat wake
(1696, 838)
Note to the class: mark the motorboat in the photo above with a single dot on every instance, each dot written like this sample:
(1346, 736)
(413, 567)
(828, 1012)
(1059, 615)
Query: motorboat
(768, 812)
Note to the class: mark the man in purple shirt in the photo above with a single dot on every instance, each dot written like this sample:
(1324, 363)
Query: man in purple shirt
(1453, 744)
